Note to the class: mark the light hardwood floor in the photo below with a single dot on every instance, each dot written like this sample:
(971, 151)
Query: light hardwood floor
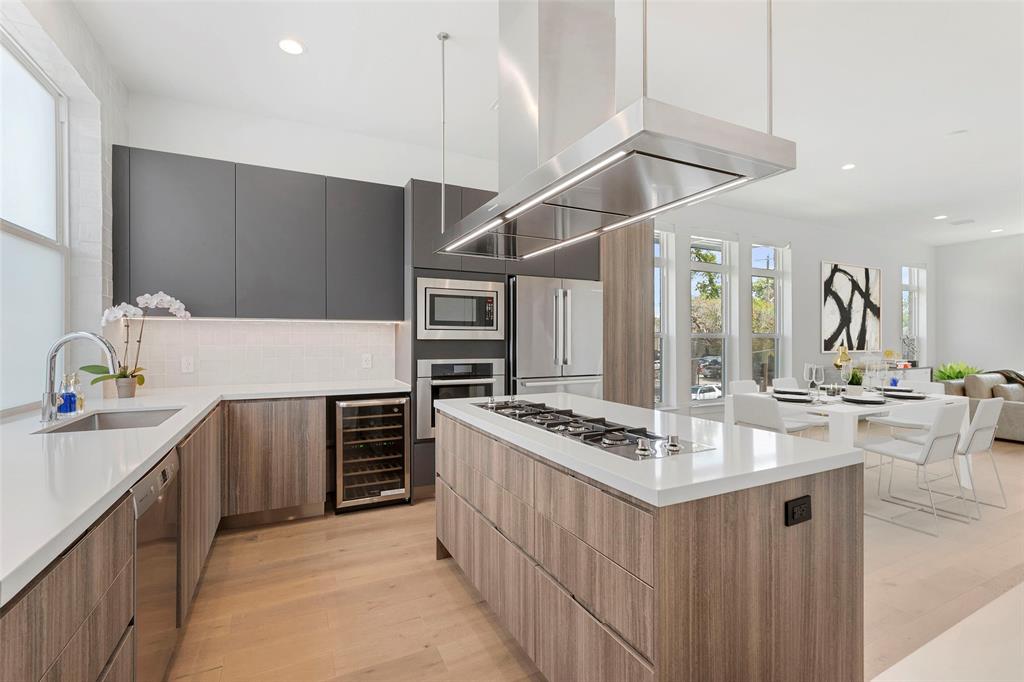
(360, 596)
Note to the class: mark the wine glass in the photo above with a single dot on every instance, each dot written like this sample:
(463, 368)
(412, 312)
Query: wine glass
(819, 377)
(809, 374)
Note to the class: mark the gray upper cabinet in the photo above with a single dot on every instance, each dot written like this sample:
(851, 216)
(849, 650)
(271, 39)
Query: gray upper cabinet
(473, 199)
(365, 250)
(179, 236)
(579, 261)
(280, 240)
(426, 223)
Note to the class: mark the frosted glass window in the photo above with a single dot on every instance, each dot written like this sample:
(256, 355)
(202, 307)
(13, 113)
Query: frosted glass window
(28, 117)
(31, 316)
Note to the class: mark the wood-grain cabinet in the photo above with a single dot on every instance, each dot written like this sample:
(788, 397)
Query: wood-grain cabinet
(200, 456)
(595, 585)
(72, 621)
(276, 456)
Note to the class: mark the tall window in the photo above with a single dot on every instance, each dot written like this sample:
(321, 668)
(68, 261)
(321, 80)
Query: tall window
(660, 318)
(913, 281)
(764, 294)
(708, 318)
(33, 244)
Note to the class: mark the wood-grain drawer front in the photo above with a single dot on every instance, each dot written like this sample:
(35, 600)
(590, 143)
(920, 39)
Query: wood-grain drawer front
(122, 665)
(572, 646)
(38, 626)
(510, 469)
(512, 592)
(506, 511)
(617, 529)
(616, 597)
(85, 656)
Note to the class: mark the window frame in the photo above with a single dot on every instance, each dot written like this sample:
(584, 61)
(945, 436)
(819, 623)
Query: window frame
(61, 244)
(914, 287)
(775, 275)
(723, 269)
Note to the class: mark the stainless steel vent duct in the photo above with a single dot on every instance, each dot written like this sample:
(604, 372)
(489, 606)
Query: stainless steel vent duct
(570, 167)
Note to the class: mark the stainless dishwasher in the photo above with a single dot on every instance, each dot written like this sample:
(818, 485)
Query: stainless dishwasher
(156, 569)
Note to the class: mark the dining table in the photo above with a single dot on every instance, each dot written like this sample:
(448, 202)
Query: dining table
(844, 417)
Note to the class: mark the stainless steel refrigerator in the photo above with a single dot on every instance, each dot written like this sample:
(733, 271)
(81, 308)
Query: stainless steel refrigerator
(557, 336)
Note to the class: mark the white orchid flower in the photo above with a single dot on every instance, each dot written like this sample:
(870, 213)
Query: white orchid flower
(162, 300)
(120, 311)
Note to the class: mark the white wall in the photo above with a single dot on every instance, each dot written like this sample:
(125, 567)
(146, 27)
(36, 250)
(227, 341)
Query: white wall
(980, 287)
(186, 128)
(810, 244)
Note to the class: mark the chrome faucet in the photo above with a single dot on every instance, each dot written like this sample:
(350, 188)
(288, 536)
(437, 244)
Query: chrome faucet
(50, 398)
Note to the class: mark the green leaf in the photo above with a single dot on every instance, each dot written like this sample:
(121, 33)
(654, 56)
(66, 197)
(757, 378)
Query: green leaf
(139, 379)
(94, 369)
(105, 377)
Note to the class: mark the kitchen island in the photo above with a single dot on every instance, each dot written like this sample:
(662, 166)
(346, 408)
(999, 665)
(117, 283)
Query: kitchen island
(731, 554)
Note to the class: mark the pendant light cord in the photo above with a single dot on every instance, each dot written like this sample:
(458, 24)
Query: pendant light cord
(443, 37)
(643, 47)
(769, 68)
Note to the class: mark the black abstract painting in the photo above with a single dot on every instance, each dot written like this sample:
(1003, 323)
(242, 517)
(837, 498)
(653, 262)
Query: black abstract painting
(851, 310)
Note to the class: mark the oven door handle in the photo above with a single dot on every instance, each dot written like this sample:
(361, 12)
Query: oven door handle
(462, 382)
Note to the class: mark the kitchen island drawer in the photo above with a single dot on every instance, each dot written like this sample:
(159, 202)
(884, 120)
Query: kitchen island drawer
(509, 468)
(617, 529)
(571, 645)
(614, 596)
(37, 625)
(122, 665)
(506, 511)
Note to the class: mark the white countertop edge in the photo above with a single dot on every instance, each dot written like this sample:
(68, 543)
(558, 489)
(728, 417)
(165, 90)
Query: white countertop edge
(201, 399)
(543, 447)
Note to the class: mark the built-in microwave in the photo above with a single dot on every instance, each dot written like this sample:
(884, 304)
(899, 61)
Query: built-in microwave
(459, 309)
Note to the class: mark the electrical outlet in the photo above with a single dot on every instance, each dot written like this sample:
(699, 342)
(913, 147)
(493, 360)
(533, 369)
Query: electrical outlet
(367, 361)
(798, 510)
(188, 364)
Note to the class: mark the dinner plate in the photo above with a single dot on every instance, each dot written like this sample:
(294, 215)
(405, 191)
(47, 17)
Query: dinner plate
(905, 396)
(790, 391)
(793, 398)
(863, 400)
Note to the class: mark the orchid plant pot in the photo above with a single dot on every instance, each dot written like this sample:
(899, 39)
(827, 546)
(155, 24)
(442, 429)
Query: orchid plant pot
(126, 387)
(129, 374)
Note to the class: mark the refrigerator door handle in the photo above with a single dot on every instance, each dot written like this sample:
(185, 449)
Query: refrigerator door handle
(558, 382)
(567, 327)
(557, 327)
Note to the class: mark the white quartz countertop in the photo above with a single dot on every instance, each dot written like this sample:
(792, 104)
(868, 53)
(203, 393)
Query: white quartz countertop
(54, 486)
(741, 457)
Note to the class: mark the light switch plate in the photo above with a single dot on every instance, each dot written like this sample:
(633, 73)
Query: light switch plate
(188, 364)
(367, 362)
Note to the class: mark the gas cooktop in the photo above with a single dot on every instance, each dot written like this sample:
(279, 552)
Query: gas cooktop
(631, 442)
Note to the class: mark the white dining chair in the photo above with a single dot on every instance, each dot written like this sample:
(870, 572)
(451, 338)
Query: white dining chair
(937, 445)
(980, 434)
(894, 423)
(785, 382)
(737, 386)
(762, 412)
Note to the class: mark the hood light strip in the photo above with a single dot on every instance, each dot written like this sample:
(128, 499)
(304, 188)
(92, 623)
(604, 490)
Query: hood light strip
(475, 233)
(687, 201)
(518, 210)
(522, 208)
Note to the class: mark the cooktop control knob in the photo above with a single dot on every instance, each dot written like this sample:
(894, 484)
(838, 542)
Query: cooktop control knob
(673, 444)
(643, 446)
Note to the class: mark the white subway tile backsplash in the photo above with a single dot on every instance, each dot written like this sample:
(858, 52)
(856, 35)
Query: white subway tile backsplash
(245, 352)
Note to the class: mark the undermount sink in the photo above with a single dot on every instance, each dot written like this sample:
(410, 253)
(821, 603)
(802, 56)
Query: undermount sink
(107, 421)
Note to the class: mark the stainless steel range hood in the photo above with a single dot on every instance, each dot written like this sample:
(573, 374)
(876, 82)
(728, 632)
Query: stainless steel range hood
(647, 158)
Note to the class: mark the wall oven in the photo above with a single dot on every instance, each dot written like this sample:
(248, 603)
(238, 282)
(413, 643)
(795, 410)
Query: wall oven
(445, 379)
(459, 309)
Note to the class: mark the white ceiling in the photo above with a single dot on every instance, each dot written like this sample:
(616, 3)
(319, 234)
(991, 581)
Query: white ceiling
(878, 84)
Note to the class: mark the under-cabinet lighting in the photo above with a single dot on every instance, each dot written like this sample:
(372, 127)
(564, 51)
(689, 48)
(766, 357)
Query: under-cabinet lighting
(566, 184)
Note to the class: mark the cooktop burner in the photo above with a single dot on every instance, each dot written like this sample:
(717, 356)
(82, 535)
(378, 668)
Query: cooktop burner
(631, 442)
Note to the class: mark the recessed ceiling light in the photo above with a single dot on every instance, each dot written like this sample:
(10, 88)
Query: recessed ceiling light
(998, 229)
(940, 217)
(848, 166)
(291, 46)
